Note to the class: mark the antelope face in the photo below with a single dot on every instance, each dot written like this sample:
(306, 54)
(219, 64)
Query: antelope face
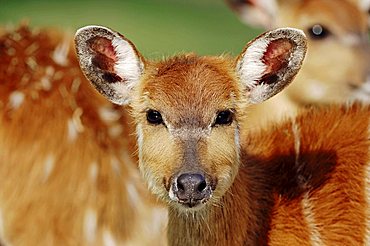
(337, 67)
(187, 128)
(187, 108)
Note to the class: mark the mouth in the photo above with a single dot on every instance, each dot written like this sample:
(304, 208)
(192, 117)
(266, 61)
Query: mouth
(193, 203)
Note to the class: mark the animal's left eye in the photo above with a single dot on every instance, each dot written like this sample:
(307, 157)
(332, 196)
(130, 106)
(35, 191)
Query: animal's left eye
(224, 117)
(154, 117)
(318, 32)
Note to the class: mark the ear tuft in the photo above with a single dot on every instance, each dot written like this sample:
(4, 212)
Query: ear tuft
(109, 61)
(270, 62)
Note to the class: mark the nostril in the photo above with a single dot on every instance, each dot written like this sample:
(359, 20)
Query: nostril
(202, 186)
(180, 186)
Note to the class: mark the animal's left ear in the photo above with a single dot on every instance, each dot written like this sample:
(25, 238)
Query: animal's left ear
(270, 62)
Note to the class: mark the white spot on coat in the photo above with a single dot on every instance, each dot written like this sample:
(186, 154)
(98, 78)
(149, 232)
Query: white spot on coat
(297, 141)
(108, 115)
(31, 62)
(90, 225)
(10, 51)
(308, 213)
(31, 48)
(48, 166)
(133, 194)
(16, 99)
(108, 239)
(72, 131)
(93, 172)
(45, 83)
(49, 71)
(115, 130)
(60, 54)
(75, 85)
(77, 119)
(115, 163)
(74, 125)
(158, 221)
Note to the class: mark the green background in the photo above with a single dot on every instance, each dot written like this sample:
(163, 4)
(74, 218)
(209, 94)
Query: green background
(157, 27)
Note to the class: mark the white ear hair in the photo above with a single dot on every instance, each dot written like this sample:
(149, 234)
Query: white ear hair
(128, 65)
(251, 67)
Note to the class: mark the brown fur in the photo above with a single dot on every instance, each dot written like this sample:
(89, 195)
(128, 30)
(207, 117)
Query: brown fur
(64, 167)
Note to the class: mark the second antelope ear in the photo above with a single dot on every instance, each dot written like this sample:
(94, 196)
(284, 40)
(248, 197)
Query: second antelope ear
(270, 62)
(260, 13)
(109, 61)
(365, 6)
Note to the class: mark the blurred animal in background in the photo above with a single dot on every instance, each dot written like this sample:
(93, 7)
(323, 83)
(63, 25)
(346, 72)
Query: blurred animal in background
(68, 172)
(337, 66)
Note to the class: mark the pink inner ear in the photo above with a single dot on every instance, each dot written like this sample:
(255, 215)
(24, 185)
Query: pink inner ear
(104, 55)
(276, 55)
(103, 46)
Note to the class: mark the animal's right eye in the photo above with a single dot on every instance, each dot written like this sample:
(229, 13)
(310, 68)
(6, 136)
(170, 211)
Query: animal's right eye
(224, 117)
(154, 117)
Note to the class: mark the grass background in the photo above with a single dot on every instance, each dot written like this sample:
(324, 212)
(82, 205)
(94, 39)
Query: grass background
(156, 27)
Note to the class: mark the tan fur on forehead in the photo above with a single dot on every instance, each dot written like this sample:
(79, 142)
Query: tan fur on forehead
(354, 20)
(201, 82)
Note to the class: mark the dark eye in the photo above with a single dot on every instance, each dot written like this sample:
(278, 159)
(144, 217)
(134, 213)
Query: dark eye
(154, 117)
(224, 117)
(318, 32)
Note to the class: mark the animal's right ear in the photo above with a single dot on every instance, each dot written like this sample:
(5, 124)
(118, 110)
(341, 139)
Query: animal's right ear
(109, 61)
(259, 13)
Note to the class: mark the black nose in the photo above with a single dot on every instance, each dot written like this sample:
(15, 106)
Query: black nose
(191, 188)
